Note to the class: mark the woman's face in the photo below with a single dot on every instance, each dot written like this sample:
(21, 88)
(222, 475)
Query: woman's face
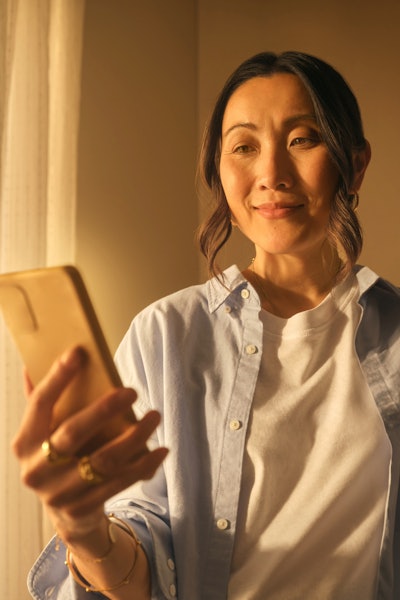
(277, 175)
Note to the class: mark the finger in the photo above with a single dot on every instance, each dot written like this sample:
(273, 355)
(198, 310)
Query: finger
(35, 424)
(64, 487)
(39, 474)
(61, 373)
(74, 433)
(110, 461)
(28, 385)
(129, 446)
(79, 500)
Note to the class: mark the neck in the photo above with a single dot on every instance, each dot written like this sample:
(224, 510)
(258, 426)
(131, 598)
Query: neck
(289, 286)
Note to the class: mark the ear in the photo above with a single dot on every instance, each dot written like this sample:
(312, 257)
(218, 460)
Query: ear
(233, 221)
(361, 160)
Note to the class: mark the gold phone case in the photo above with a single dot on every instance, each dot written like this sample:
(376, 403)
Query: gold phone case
(48, 311)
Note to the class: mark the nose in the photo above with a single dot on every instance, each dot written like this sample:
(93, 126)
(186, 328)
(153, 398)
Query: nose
(275, 170)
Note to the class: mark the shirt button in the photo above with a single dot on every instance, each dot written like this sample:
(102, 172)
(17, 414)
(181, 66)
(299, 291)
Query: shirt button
(171, 564)
(172, 590)
(235, 424)
(251, 349)
(228, 309)
(222, 524)
(245, 293)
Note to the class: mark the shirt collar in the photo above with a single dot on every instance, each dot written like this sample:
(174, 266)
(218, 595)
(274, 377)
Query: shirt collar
(221, 287)
(366, 278)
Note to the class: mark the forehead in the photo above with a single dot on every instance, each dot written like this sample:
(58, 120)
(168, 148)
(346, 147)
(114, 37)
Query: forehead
(281, 95)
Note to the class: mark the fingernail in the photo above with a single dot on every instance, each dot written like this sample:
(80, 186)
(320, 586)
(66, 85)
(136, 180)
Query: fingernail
(74, 357)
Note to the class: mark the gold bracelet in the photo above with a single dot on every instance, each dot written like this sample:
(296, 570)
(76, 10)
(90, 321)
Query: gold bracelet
(100, 559)
(88, 587)
(125, 526)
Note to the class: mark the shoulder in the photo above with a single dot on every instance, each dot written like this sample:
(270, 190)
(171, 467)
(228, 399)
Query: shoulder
(190, 311)
(380, 301)
(176, 327)
(373, 287)
(205, 297)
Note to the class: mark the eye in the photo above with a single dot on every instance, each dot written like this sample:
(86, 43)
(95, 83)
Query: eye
(242, 149)
(308, 140)
(298, 141)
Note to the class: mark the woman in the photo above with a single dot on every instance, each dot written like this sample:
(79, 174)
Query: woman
(277, 388)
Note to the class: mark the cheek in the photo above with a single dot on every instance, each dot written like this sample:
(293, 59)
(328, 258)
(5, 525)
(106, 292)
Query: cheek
(226, 179)
(233, 182)
(330, 175)
(323, 182)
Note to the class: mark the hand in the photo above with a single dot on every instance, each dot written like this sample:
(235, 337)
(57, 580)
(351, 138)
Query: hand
(76, 506)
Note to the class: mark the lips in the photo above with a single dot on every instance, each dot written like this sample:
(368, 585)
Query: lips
(277, 210)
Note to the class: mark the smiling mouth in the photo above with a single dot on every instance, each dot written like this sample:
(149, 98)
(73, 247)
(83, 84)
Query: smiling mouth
(277, 210)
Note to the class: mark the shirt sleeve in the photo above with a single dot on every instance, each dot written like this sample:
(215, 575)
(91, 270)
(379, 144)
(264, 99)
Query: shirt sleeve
(144, 505)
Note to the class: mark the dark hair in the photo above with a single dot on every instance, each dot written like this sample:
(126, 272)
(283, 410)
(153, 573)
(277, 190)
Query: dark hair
(338, 116)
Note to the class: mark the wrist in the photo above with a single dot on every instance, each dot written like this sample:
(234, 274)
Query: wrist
(93, 539)
(81, 566)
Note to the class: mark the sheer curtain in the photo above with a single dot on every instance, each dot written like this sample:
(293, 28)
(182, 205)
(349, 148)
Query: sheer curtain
(40, 57)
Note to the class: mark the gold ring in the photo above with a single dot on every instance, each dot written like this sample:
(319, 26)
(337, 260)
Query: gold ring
(52, 456)
(86, 471)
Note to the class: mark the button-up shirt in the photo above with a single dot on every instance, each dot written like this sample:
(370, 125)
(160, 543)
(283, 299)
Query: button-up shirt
(195, 357)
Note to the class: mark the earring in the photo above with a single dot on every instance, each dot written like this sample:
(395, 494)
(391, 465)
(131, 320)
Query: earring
(354, 200)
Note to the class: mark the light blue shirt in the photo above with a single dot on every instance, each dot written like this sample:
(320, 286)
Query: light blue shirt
(195, 357)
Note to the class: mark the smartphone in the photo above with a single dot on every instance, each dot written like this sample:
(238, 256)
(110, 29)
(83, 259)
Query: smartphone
(48, 311)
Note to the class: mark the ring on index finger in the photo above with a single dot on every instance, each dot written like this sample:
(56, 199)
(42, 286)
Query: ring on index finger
(52, 456)
(87, 472)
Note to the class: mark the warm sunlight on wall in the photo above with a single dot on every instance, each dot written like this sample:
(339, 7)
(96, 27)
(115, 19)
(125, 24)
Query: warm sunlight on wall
(137, 209)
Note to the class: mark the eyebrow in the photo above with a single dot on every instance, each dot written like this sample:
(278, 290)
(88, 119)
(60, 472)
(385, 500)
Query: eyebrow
(253, 127)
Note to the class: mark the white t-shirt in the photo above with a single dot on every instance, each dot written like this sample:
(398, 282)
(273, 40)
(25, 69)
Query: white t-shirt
(316, 466)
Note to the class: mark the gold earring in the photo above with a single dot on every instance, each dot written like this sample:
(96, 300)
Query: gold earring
(353, 199)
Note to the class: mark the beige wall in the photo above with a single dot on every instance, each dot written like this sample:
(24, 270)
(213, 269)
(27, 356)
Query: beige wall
(137, 211)
(151, 72)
